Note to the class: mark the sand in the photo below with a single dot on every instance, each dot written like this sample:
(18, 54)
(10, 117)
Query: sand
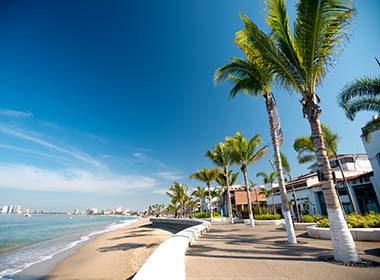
(115, 255)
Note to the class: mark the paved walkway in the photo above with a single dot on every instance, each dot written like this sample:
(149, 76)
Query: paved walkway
(239, 252)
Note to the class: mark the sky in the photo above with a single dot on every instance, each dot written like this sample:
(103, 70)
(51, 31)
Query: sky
(106, 103)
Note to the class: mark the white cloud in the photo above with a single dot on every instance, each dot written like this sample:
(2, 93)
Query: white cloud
(18, 176)
(15, 114)
(28, 136)
(160, 191)
(170, 175)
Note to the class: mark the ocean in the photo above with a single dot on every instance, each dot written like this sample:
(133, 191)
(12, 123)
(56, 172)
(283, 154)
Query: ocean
(25, 241)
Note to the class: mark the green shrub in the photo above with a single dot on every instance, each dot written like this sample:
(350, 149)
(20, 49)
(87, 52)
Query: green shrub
(317, 217)
(370, 220)
(256, 211)
(206, 215)
(307, 219)
(268, 217)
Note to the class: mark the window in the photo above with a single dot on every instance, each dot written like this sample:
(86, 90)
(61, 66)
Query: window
(378, 158)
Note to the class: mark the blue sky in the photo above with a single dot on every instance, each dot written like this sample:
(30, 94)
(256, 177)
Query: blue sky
(106, 103)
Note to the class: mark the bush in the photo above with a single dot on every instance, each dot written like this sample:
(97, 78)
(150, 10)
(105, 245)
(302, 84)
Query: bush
(307, 219)
(206, 215)
(268, 217)
(370, 220)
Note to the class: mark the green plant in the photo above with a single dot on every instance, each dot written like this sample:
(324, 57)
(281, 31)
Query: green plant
(369, 220)
(268, 217)
(206, 215)
(307, 219)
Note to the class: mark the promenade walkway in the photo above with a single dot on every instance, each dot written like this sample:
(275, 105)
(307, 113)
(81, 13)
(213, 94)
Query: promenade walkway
(239, 252)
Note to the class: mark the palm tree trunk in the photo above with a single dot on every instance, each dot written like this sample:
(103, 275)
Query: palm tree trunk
(342, 241)
(229, 205)
(251, 220)
(298, 216)
(209, 201)
(346, 184)
(257, 201)
(280, 175)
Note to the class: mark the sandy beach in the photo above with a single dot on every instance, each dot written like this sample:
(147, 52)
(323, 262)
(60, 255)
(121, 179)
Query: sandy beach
(115, 255)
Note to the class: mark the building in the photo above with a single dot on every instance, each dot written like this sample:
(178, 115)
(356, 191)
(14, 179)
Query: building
(308, 191)
(371, 142)
(4, 209)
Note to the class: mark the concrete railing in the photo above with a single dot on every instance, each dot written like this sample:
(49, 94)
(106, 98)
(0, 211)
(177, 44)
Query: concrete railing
(167, 262)
(359, 234)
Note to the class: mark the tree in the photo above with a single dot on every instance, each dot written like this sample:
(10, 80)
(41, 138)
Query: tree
(266, 193)
(220, 156)
(245, 152)
(178, 197)
(206, 175)
(253, 186)
(360, 95)
(300, 62)
(200, 193)
(306, 153)
(253, 77)
(286, 166)
(221, 179)
(270, 179)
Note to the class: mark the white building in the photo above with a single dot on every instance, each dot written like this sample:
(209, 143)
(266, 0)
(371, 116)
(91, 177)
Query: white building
(371, 142)
(4, 209)
(310, 199)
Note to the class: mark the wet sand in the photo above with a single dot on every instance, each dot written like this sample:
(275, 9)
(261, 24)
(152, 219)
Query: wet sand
(115, 255)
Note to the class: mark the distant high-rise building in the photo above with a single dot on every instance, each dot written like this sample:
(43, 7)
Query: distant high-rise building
(10, 209)
(17, 209)
(4, 209)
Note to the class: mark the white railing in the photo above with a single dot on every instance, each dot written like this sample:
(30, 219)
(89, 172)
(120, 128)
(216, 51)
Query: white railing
(167, 262)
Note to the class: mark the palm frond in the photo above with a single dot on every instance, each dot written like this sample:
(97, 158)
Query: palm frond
(274, 59)
(365, 90)
(320, 28)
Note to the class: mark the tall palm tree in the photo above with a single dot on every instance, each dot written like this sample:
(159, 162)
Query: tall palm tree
(245, 152)
(252, 77)
(200, 193)
(206, 175)
(221, 179)
(287, 171)
(253, 186)
(220, 155)
(300, 62)
(270, 179)
(360, 95)
(266, 193)
(178, 196)
(306, 153)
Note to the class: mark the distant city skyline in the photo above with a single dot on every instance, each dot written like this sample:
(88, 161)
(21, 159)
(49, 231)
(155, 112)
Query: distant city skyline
(106, 105)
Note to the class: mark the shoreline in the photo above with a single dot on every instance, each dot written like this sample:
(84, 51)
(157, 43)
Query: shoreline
(116, 254)
(41, 269)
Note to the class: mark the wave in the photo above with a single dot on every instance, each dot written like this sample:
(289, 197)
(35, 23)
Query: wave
(47, 254)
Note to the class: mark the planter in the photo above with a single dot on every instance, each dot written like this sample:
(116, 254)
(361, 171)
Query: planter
(300, 226)
(268, 222)
(358, 234)
(259, 222)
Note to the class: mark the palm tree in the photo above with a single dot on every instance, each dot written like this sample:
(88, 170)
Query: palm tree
(306, 153)
(253, 186)
(206, 175)
(220, 155)
(270, 179)
(300, 62)
(221, 179)
(200, 193)
(244, 152)
(286, 166)
(178, 196)
(252, 77)
(266, 193)
(360, 95)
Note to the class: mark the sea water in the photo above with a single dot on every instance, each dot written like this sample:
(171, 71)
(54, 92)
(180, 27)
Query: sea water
(25, 241)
